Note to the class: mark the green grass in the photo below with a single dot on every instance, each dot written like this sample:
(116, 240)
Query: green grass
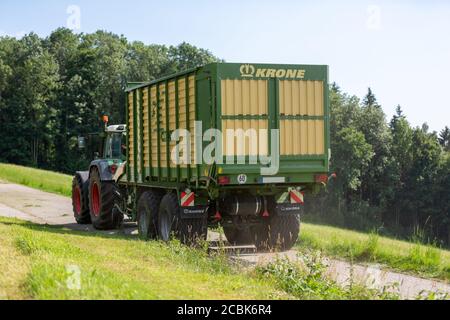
(313, 284)
(412, 257)
(38, 262)
(45, 262)
(39, 179)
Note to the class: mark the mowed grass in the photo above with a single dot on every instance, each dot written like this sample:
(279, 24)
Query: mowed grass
(411, 257)
(39, 179)
(42, 262)
(52, 263)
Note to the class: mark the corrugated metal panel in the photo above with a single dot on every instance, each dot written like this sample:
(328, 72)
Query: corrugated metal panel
(154, 126)
(304, 98)
(151, 147)
(245, 98)
(182, 112)
(145, 104)
(182, 123)
(138, 137)
(172, 118)
(131, 130)
(162, 126)
(256, 142)
(302, 137)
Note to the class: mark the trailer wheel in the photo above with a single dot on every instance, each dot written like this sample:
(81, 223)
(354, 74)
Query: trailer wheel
(80, 202)
(147, 211)
(238, 236)
(102, 197)
(277, 233)
(170, 223)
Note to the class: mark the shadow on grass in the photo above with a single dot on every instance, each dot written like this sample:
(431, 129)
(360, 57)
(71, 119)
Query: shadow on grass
(124, 233)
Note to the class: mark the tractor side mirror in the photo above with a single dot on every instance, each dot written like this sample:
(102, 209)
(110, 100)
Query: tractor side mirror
(81, 143)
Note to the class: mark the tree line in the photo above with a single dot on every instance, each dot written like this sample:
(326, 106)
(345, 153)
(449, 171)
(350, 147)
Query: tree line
(56, 88)
(390, 176)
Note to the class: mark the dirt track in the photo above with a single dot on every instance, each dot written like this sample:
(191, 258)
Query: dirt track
(45, 208)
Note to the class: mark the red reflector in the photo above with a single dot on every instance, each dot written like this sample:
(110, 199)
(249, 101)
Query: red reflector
(113, 168)
(321, 178)
(224, 180)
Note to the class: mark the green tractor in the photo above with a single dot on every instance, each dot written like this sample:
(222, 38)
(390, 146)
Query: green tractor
(95, 194)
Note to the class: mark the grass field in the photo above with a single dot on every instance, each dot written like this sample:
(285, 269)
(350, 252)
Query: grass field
(39, 179)
(415, 258)
(43, 262)
(39, 262)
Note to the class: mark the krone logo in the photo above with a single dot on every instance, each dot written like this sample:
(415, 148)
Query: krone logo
(247, 70)
(250, 71)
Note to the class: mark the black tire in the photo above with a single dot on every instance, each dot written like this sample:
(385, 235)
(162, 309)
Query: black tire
(102, 198)
(147, 214)
(188, 231)
(238, 236)
(277, 233)
(80, 201)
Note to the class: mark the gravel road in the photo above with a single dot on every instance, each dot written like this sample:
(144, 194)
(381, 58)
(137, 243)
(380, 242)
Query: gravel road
(46, 208)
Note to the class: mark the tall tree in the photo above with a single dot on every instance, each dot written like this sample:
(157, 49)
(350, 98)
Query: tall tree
(444, 138)
(35, 78)
(186, 56)
(372, 123)
(421, 178)
(401, 158)
(146, 63)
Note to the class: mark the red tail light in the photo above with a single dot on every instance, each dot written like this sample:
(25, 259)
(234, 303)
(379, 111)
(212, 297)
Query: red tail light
(113, 168)
(321, 178)
(224, 180)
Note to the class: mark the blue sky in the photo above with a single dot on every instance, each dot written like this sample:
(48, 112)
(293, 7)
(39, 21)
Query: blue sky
(399, 48)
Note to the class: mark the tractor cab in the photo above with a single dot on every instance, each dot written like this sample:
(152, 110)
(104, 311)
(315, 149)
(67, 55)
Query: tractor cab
(115, 145)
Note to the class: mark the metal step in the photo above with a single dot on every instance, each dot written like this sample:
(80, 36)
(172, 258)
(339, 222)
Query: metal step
(233, 250)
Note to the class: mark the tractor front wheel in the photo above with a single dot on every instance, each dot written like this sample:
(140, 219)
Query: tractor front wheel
(80, 200)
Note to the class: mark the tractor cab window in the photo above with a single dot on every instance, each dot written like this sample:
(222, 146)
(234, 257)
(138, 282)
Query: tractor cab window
(113, 146)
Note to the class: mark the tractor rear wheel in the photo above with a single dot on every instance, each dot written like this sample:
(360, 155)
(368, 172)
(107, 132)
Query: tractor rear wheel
(170, 223)
(102, 198)
(147, 214)
(80, 202)
(277, 233)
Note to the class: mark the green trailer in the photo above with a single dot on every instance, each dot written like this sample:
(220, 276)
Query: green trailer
(239, 145)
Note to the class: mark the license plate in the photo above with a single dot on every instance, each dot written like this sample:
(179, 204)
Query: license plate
(273, 180)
